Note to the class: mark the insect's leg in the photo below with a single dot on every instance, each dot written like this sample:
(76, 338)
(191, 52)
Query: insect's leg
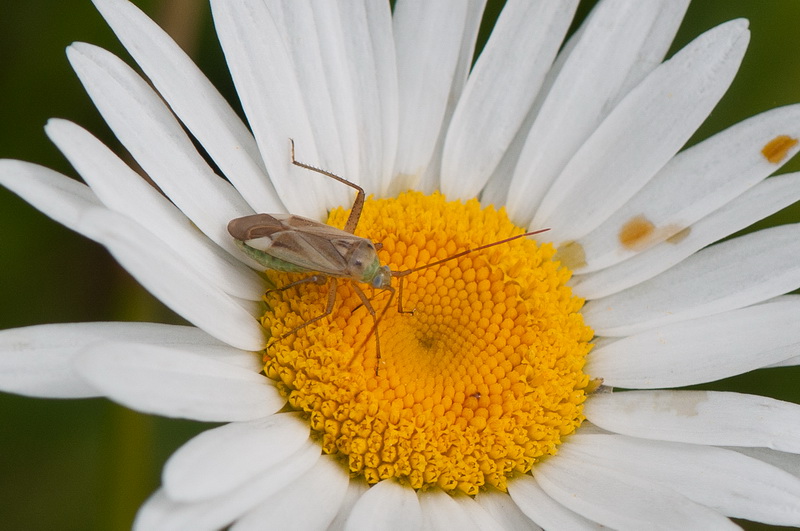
(327, 312)
(400, 281)
(316, 279)
(358, 204)
(355, 211)
(375, 319)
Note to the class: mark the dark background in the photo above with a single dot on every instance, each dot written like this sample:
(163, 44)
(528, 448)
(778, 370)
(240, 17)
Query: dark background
(89, 464)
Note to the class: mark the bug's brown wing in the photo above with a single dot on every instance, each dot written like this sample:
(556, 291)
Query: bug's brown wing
(259, 225)
(297, 240)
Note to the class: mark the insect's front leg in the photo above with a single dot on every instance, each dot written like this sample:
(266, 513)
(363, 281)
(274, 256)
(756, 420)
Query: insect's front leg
(319, 279)
(368, 305)
(400, 298)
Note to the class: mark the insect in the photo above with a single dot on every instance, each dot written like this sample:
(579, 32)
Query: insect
(294, 244)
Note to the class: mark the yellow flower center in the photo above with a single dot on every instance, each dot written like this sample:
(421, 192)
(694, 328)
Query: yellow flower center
(479, 377)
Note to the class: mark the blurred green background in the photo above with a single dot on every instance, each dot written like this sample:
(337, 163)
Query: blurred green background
(88, 464)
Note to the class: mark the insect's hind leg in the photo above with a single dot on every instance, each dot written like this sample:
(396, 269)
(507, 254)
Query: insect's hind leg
(319, 279)
(358, 204)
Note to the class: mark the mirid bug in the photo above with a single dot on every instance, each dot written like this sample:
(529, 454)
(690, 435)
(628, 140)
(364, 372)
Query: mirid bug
(294, 244)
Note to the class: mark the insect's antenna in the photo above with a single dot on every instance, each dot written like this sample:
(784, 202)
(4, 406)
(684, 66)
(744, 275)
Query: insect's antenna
(462, 253)
(358, 205)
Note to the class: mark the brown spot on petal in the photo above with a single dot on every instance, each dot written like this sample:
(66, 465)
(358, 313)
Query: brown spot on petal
(639, 233)
(571, 255)
(678, 237)
(636, 233)
(776, 149)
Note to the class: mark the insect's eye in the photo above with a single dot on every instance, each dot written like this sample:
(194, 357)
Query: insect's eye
(383, 278)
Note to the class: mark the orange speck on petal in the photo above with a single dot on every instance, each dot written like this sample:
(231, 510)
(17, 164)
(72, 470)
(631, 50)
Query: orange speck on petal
(636, 233)
(776, 149)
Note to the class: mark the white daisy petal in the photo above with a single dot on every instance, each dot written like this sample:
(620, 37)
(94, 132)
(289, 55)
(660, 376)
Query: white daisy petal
(701, 350)
(789, 362)
(659, 40)
(651, 52)
(177, 383)
(440, 511)
(150, 132)
(355, 489)
(162, 513)
(166, 275)
(387, 505)
(428, 38)
(192, 339)
(588, 428)
(589, 81)
(328, 47)
(700, 417)
(359, 53)
(729, 163)
(63, 199)
(157, 267)
(496, 190)
(36, 360)
(123, 190)
(431, 179)
(220, 460)
(310, 502)
(537, 505)
(618, 499)
(649, 55)
(760, 201)
(298, 28)
(358, 61)
(642, 133)
(159, 512)
(195, 101)
(502, 508)
(259, 59)
(789, 463)
(725, 276)
(480, 518)
(496, 98)
(736, 485)
(384, 120)
(230, 355)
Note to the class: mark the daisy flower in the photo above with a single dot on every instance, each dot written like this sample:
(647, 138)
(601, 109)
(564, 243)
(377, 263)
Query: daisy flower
(476, 388)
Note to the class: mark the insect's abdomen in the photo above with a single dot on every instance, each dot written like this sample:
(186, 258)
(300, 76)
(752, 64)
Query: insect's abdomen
(269, 261)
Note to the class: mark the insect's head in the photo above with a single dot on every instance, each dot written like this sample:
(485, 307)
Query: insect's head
(382, 279)
(364, 265)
